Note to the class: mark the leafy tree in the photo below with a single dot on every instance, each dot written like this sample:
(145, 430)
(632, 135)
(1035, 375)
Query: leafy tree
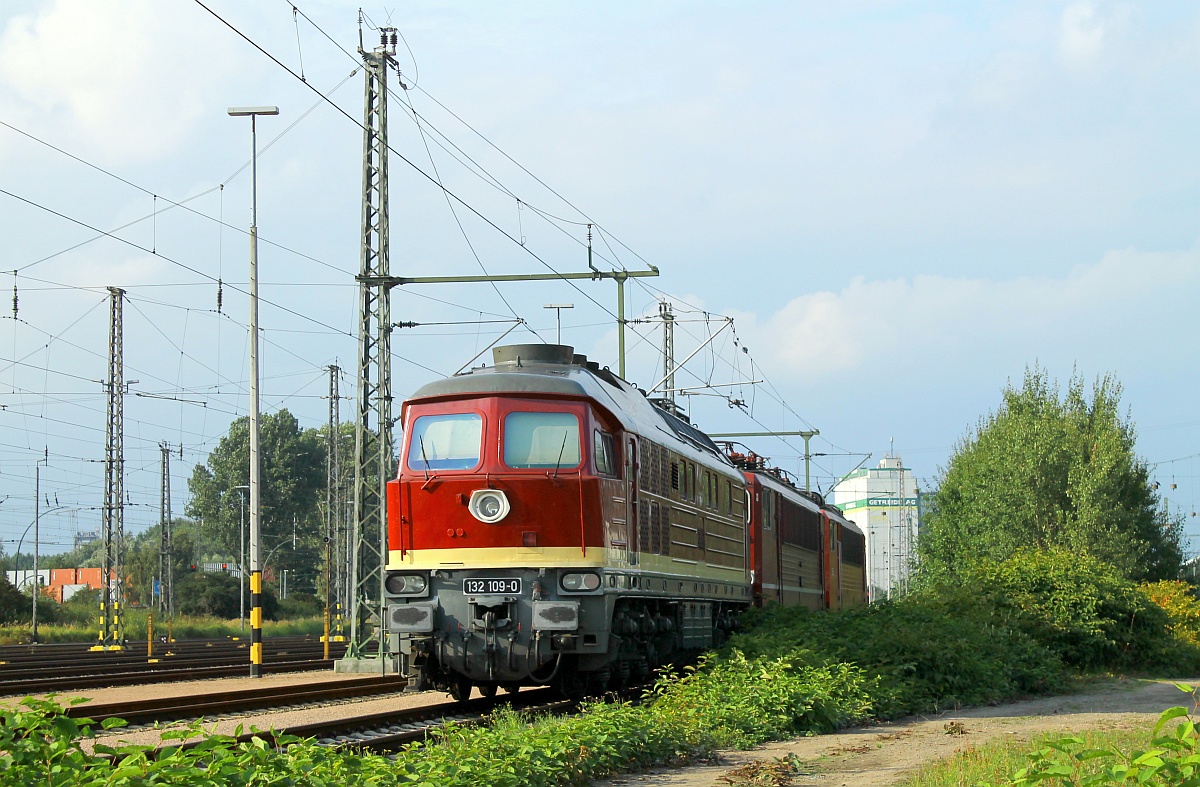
(15, 606)
(1048, 472)
(142, 557)
(217, 594)
(293, 484)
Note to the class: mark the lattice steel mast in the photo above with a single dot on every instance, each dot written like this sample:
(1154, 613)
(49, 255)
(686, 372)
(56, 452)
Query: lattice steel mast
(668, 350)
(112, 628)
(166, 584)
(334, 553)
(373, 424)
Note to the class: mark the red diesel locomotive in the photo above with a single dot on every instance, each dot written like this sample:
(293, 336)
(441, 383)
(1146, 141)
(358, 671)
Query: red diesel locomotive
(550, 525)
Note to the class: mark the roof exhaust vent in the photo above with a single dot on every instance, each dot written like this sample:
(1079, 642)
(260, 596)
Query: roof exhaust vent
(521, 354)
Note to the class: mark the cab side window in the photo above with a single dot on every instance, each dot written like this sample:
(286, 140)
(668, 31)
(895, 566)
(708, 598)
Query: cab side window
(605, 454)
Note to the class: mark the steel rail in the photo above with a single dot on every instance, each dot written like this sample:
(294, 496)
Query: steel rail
(164, 709)
(61, 678)
(391, 729)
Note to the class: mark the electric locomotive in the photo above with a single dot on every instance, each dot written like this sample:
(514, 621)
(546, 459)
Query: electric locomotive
(549, 525)
(803, 551)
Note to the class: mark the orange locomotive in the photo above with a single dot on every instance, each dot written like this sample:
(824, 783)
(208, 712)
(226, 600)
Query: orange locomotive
(549, 525)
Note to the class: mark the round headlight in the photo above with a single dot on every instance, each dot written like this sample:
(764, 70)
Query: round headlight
(488, 505)
(405, 584)
(580, 583)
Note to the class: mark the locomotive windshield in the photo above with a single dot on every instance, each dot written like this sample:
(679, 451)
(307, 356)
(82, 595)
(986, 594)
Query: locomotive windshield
(541, 440)
(445, 442)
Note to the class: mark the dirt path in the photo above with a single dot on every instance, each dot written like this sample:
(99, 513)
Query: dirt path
(886, 754)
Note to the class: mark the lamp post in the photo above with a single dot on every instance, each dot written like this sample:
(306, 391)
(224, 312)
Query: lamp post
(558, 307)
(37, 515)
(255, 490)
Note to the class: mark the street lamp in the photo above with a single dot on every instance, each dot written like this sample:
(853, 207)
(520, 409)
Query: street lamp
(37, 515)
(255, 491)
(558, 307)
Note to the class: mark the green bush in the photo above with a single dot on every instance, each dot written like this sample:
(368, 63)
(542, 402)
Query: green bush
(39, 744)
(300, 605)
(732, 701)
(923, 652)
(1178, 600)
(517, 750)
(1075, 605)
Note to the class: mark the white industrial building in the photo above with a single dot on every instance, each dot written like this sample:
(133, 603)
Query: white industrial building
(882, 501)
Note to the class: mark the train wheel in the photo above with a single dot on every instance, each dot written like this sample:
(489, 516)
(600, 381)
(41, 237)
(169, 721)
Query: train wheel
(570, 683)
(598, 682)
(460, 688)
(487, 689)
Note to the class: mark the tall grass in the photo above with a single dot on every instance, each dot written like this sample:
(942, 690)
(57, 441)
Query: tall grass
(995, 762)
(181, 627)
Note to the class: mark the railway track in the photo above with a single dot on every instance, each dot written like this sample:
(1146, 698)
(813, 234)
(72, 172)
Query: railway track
(31, 669)
(389, 730)
(376, 731)
(274, 699)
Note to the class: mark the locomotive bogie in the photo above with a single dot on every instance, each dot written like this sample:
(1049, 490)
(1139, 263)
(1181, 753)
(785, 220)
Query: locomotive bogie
(517, 627)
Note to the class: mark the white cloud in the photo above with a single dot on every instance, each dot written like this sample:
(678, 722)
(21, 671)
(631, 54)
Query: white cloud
(1081, 33)
(129, 80)
(941, 322)
(1086, 33)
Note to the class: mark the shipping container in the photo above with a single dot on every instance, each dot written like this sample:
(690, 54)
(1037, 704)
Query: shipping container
(67, 591)
(62, 576)
(20, 579)
(89, 577)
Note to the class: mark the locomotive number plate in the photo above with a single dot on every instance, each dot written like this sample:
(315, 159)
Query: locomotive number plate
(479, 587)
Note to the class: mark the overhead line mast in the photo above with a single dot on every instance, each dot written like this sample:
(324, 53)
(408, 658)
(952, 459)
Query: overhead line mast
(112, 627)
(668, 351)
(166, 573)
(373, 424)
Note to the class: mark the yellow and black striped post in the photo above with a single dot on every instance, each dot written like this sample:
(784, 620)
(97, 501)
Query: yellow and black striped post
(338, 631)
(118, 628)
(102, 639)
(256, 644)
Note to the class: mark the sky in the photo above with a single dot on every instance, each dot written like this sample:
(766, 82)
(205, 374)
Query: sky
(901, 207)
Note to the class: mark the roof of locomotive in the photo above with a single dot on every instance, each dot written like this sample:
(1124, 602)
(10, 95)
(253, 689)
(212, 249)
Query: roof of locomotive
(804, 500)
(533, 369)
